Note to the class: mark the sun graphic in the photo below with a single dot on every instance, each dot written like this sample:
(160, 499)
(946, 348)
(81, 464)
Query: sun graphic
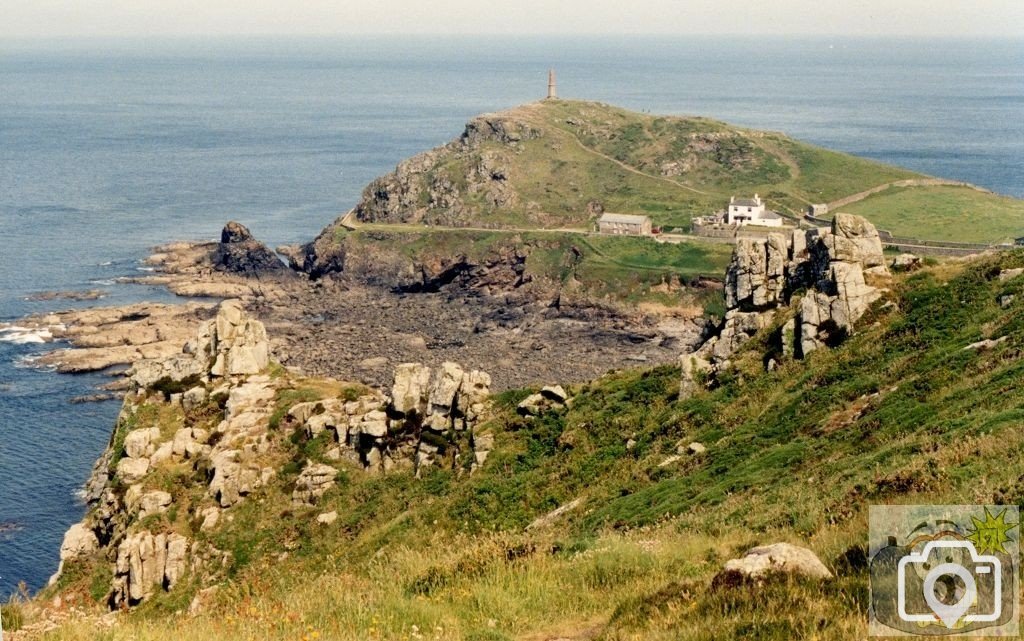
(990, 534)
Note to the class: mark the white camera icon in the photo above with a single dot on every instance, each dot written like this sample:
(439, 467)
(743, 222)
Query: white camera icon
(950, 614)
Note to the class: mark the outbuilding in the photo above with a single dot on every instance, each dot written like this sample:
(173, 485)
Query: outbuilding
(624, 224)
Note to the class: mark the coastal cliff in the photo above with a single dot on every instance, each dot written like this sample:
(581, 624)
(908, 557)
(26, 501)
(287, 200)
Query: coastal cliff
(201, 432)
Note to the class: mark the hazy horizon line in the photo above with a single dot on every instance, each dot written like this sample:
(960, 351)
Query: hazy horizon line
(486, 34)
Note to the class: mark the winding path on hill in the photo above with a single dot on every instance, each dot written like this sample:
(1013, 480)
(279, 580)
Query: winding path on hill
(631, 168)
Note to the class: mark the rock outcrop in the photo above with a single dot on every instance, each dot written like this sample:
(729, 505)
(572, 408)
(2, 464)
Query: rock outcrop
(420, 190)
(79, 541)
(826, 267)
(213, 418)
(549, 397)
(429, 413)
(146, 562)
(240, 253)
(230, 344)
(313, 482)
(763, 562)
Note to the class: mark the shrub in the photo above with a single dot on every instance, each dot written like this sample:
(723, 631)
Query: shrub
(168, 386)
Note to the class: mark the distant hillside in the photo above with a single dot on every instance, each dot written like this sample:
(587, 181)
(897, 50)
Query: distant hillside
(558, 163)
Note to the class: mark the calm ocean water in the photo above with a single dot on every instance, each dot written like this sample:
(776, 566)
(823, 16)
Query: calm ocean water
(107, 148)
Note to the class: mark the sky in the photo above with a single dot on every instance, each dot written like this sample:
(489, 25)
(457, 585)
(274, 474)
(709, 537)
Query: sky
(61, 18)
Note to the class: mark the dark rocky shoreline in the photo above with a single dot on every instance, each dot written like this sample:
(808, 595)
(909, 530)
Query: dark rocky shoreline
(361, 323)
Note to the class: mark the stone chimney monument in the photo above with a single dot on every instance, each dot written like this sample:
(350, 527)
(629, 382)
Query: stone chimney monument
(552, 88)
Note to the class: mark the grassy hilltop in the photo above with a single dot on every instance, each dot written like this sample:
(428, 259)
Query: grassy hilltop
(543, 164)
(900, 413)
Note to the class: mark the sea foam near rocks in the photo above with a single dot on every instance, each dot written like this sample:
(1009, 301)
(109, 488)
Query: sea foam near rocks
(25, 335)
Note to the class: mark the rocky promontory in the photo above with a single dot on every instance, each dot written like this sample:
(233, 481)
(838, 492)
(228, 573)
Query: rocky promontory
(221, 417)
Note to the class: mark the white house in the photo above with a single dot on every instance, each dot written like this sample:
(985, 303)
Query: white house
(750, 211)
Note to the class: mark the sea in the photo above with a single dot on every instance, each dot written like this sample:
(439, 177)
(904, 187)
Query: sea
(108, 147)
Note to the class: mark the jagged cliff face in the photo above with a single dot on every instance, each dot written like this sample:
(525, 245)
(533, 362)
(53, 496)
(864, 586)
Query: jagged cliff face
(826, 269)
(423, 189)
(201, 433)
(450, 186)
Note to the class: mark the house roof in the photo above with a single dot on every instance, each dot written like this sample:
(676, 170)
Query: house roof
(769, 215)
(746, 202)
(629, 219)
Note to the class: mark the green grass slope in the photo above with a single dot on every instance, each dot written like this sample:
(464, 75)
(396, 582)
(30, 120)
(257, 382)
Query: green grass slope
(900, 413)
(565, 155)
(959, 214)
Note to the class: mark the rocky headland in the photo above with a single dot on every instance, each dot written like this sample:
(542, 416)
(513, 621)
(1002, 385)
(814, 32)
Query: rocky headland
(221, 417)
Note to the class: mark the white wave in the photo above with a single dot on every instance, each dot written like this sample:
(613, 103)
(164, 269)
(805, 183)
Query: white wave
(14, 328)
(103, 281)
(31, 361)
(106, 263)
(25, 336)
(145, 269)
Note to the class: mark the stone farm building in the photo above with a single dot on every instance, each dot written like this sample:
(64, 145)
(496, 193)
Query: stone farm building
(624, 225)
(751, 211)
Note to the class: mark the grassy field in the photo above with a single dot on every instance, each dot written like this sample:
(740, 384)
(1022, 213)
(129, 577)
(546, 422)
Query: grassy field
(944, 213)
(900, 413)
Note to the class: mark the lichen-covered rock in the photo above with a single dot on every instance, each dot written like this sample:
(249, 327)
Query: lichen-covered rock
(79, 541)
(756, 274)
(237, 343)
(763, 275)
(475, 388)
(555, 393)
(145, 373)
(232, 478)
(906, 262)
(447, 382)
(141, 443)
(193, 398)
(826, 317)
(855, 240)
(131, 470)
(482, 446)
(693, 367)
(231, 344)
